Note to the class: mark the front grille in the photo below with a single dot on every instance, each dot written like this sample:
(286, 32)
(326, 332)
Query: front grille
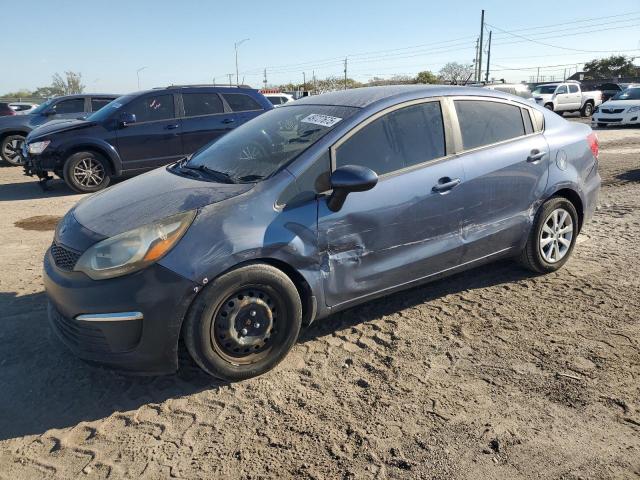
(609, 120)
(612, 110)
(63, 257)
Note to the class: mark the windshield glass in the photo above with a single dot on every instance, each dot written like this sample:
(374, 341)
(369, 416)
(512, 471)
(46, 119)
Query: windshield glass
(628, 94)
(106, 111)
(260, 147)
(544, 89)
(43, 106)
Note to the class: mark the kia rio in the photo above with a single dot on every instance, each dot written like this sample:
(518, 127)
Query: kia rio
(309, 209)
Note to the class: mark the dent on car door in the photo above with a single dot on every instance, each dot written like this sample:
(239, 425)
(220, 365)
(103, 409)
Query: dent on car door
(403, 229)
(506, 167)
(154, 138)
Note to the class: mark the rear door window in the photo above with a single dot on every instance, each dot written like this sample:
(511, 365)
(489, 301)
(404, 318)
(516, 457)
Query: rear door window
(240, 102)
(152, 108)
(400, 139)
(196, 104)
(485, 122)
(573, 89)
(75, 105)
(98, 103)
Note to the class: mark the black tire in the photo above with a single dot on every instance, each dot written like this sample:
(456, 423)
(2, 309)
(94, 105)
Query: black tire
(253, 293)
(549, 106)
(10, 149)
(82, 162)
(532, 256)
(587, 109)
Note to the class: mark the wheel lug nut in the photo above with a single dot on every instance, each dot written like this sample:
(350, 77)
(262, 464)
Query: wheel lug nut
(253, 313)
(257, 325)
(244, 331)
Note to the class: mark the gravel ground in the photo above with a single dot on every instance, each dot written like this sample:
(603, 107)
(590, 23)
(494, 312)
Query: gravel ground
(493, 373)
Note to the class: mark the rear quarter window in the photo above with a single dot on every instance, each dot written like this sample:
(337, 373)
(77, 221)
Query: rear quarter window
(485, 122)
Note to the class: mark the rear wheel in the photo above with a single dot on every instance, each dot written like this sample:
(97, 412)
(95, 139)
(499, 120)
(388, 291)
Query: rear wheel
(549, 106)
(553, 236)
(587, 110)
(244, 322)
(11, 149)
(86, 172)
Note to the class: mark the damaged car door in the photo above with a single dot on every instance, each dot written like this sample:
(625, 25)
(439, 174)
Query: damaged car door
(407, 226)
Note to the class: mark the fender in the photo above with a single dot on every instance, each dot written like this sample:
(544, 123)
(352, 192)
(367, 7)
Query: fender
(77, 144)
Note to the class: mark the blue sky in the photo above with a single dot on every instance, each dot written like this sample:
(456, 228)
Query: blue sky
(192, 41)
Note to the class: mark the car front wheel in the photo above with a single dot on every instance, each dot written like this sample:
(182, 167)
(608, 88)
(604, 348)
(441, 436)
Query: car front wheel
(587, 110)
(86, 172)
(11, 149)
(553, 236)
(244, 322)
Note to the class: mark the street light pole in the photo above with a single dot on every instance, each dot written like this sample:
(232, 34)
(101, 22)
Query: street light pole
(138, 75)
(236, 45)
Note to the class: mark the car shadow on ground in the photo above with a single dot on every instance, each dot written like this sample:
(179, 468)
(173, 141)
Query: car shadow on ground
(630, 176)
(44, 386)
(10, 192)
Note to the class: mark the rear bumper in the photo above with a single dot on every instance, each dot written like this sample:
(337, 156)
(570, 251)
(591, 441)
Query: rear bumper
(147, 345)
(591, 193)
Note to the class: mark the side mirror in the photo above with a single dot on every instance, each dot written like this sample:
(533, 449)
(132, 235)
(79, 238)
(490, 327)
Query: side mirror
(50, 112)
(347, 179)
(127, 119)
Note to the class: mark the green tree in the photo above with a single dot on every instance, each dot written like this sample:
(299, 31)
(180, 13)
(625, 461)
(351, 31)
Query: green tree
(69, 85)
(613, 66)
(426, 77)
(23, 93)
(455, 73)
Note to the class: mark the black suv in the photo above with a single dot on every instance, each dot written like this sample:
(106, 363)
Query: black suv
(138, 132)
(14, 129)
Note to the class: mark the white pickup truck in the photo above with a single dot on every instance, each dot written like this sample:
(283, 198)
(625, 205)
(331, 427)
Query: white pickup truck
(567, 97)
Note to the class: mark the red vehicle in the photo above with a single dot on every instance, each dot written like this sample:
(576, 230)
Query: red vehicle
(6, 110)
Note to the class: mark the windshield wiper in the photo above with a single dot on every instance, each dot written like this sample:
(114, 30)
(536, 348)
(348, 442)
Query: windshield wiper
(250, 178)
(222, 176)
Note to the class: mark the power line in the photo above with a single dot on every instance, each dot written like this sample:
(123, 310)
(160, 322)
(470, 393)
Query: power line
(592, 19)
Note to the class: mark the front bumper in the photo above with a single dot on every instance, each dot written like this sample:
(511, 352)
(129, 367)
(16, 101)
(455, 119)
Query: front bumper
(147, 345)
(40, 165)
(623, 118)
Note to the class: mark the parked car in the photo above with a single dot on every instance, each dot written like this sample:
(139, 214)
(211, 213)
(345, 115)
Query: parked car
(519, 89)
(349, 196)
(278, 99)
(139, 132)
(610, 89)
(13, 130)
(23, 108)
(622, 109)
(567, 97)
(6, 110)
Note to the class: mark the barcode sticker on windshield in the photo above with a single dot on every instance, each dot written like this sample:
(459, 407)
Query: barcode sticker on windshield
(322, 120)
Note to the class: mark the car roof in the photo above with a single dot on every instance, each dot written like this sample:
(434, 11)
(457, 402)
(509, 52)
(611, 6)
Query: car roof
(366, 96)
(195, 88)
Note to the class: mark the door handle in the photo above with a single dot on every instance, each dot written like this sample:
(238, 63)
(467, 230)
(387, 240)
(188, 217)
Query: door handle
(535, 155)
(445, 184)
(172, 126)
(228, 120)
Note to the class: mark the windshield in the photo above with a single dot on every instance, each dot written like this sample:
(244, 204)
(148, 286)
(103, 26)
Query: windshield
(43, 106)
(544, 89)
(260, 147)
(106, 111)
(628, 94)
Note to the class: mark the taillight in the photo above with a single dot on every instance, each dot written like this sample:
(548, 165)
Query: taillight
(592, 140)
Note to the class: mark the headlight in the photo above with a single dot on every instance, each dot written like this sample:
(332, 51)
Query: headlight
(634, 109)
(37, 148)
(133, 250)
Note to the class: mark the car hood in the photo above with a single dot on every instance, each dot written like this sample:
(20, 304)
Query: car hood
(620, 104)
(57, 126)
(144, 199)
(12, 121)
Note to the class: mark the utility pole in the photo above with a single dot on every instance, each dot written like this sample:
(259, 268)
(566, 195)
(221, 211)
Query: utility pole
(538, 75)
(564, 75)
(313, 79)
(230, 80)
(236, 45)
(475, 63)
(214, 81)
(345, 73)
(481, 46)
(304, 81)
(265, 78)
(138, 75)
(486, 78)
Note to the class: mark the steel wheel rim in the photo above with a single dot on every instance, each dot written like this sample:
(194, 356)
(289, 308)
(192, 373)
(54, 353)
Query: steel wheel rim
(88, 172)
(12, 151)
(556, 235)
(244, 326)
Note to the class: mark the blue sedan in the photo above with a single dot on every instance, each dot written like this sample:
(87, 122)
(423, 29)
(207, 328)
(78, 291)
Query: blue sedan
(309, 209)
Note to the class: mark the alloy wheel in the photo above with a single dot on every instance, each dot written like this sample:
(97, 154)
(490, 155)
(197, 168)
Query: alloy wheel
(88, 172)
(12, 151)
(556, 235)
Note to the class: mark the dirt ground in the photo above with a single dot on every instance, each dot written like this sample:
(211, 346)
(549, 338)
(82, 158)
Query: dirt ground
(493, 373)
